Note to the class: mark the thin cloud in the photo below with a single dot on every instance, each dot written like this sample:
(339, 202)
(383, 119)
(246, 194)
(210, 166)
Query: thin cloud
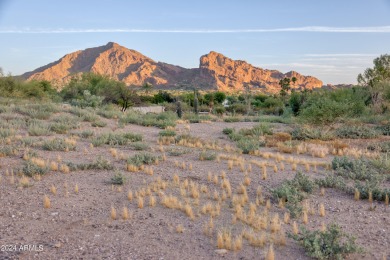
(341, 55)
(378, 29)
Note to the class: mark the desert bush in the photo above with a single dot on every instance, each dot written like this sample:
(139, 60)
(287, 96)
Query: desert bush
(118, 178)
(228, 131)
(63, 123)
(177, 151)
(308, 133)
(36, 128)
(30, 169)
(98, 123)
(384, 129)
(294, 191)
(4, 133)
(207, 155)
(232, 119)
(356, 132)
(248, 145)
(59, 144)
(367, 175)
(383, 147)
(87, 100)
(332, 181)
(162, 120)
(332, 243)
(142, 158)
(99, 164)
(167, 133)
(8, 150)
(108, 112)
(139, 146)
(37, 111)
(116, 139)
(85, 134)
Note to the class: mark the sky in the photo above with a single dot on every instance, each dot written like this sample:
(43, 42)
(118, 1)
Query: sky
(331, 40)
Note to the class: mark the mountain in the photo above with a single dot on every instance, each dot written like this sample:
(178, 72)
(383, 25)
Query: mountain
(215, 71)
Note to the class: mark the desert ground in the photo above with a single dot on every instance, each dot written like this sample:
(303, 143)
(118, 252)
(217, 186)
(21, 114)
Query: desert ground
(197, 199)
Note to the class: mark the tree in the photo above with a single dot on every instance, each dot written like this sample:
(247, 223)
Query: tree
(285, 86)
(377, 80)
(147, 87)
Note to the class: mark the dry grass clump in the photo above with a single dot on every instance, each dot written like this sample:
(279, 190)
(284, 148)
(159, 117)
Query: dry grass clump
(125, 213)
(270, 253)
(46, 202)
(179, 228)
(113, 213)
(152, 201)
(322, 210)
(140, 202)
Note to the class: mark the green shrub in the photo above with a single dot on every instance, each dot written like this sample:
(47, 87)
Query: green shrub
(8, 150)
(384, 129)
(383, 147)
(116, 139)
(99, 164)
(167, 133)
(58, 144)
(36, 128)
(177, 151)
(98, 123)
(308, 133)
(329, 244)
(207, 155)
(162, 120)
(85, 134)
(356, 132)
(228, 131)
(118, 179)
(139, 146)
(142, 158)
(248, 145)
(294, 191)
(63, 123)
(4, 133)
(30, 169)
(232, 119)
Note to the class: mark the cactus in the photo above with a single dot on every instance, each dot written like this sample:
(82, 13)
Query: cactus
(179, 111)
(196, 103)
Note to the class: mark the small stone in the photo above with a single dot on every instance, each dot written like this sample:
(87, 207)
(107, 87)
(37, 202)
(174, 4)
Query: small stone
(221, 251)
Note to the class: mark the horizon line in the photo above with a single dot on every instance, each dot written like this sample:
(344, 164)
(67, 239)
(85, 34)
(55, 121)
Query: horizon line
(324, 29)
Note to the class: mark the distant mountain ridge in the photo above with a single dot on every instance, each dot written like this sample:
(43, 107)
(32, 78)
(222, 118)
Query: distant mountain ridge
(215, 71)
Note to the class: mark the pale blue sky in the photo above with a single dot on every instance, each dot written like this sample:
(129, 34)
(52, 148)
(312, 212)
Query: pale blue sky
(331, 40)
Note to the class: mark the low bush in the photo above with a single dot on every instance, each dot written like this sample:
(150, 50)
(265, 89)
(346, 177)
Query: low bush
(30, 169)
(58, 144)
(118, 179)
(139, 146)
(177, 151)
(356, 132)
(294, 191)
(142, 158)
(332, 243)
(8, 150)
(116, 139)
(36, 128)
(309, 133)
(207, 155)
(167, 133)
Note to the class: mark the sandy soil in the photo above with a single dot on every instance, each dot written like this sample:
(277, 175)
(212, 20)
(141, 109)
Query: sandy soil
(78, 225)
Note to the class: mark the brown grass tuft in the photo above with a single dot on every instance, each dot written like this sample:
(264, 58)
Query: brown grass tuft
(140, 202)
(270, 253)
(113, 213)
(46, 202)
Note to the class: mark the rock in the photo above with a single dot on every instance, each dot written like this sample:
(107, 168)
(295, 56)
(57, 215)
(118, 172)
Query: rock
(221, 251)
(215, 71)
